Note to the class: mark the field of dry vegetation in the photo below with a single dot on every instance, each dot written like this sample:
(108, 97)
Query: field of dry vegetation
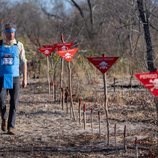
(123, 28)
(44, 130)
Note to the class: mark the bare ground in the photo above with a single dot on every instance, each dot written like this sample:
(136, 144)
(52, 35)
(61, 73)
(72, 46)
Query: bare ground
(44, 130)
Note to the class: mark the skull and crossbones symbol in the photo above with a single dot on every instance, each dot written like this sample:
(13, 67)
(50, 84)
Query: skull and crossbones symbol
(103, 65)
(155, 84)
(68, 55)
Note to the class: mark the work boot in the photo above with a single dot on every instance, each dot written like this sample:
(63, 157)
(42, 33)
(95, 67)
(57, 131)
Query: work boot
(3, 125)
(11, 131)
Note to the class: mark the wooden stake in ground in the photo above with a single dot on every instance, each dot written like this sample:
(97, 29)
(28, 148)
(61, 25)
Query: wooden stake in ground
(136, 147)
(84, 116)
(99, 123)
(115, 135)
(61, 84)
(70, 88)
(106, 108)
(62, 97)
(66, 99)
(79, 111)
(114, 84)
(61, 76)
(48, 77)
(92, 119)
(124, 139)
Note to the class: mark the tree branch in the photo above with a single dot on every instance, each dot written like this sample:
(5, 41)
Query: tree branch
(153, 27)
(79, 8)
(91, 13)
(51, 14)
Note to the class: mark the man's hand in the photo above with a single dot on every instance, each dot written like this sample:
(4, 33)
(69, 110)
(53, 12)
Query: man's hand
(24, 83)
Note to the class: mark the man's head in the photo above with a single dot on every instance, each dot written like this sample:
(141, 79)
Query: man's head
(9, 31)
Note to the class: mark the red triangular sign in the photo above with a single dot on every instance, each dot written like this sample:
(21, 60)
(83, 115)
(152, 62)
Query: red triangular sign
(150, 81)
(46, 50)
(67, 54)
(63, 46)
(50, 47)
(102, 63)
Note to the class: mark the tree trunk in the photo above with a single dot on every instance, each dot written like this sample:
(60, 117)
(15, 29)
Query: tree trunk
(144, 17)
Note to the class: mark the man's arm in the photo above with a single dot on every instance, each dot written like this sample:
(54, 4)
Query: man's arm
(24, 82)
(24, 64)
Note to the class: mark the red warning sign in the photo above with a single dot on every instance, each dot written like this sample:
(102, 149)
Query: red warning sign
(102, 63)
(46, 50)
(63, 46)
(150, 81)
(67, 54)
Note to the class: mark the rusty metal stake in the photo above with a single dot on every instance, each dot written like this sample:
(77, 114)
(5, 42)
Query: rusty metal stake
(79, 110)
(114, 84)
(62, 98)
(66, 99)
(84, 116)
(124, 139)
(99, 123)
(92, 119)
(115, 135)
(136, 147)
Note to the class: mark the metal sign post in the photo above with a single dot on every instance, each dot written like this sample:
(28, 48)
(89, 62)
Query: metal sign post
(47, 50)
(68, 54)
(103, 64)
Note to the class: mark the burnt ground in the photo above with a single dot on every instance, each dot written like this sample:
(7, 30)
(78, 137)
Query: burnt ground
(44, 130)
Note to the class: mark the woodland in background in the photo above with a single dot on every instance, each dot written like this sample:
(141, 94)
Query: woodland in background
(105, 26)
(110, 27)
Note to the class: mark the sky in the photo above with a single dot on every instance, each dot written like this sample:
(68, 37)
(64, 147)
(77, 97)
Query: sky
(13, 1)
(67, 4)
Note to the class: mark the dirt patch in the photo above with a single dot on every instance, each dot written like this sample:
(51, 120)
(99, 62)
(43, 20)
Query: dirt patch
(44, 130)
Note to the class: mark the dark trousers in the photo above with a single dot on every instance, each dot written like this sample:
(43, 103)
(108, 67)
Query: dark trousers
(14, 100)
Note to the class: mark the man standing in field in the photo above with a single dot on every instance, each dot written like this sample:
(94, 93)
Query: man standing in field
(12, 54)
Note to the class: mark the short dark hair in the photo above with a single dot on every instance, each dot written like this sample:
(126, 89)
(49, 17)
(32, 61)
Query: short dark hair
(9, 27)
